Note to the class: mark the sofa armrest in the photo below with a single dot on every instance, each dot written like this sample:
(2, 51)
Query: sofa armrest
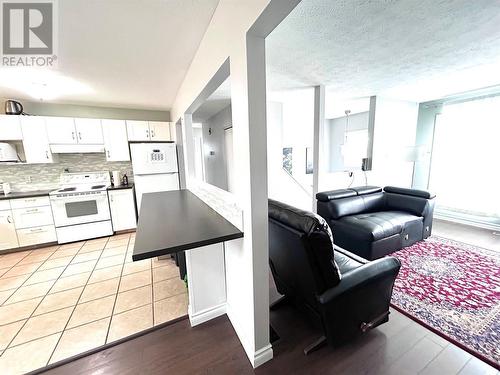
(362, 277)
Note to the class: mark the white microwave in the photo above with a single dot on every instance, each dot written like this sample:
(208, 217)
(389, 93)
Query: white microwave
(7, 152)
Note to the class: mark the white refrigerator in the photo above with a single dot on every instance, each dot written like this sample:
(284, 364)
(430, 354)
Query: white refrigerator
(155, 168)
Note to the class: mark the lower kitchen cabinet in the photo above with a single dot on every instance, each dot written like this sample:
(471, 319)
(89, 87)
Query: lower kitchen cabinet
(36, 235)
(8, 237)
(122, 205)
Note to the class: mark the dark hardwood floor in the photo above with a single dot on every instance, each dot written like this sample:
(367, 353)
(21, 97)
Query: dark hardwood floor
(398, 347)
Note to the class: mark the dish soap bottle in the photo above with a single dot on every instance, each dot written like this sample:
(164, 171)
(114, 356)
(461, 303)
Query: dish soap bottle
(125, 180)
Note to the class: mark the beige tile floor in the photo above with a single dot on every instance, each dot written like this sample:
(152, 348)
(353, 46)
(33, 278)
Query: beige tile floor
(59, 301)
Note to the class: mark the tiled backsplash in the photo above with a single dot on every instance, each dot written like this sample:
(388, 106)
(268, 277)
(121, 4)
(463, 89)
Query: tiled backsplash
(46, 176)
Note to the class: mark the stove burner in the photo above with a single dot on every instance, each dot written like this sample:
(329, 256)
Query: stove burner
(98, 187)
(67, 189)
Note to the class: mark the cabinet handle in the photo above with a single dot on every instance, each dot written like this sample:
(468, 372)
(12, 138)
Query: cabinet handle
(147, 133)
(111, 198)
(73, 135)
(33, 210)
(80, 135)
(152, 133)
(9, 219)
(47, 154)
(36, 230)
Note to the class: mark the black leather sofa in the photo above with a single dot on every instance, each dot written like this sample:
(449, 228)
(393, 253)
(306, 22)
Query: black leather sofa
(372, 222)
(342, 293)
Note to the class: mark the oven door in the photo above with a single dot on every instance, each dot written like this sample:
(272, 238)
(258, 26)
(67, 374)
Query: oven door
(80, 208)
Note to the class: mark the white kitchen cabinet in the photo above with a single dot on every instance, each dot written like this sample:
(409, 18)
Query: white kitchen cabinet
(89, 131)
(115, 140)
(159, 131)
(37, 235)
(138, 130)
(10, 128)
(61, 130)
(32, 217)
(35, 140)
(8, 236)
(122, 204)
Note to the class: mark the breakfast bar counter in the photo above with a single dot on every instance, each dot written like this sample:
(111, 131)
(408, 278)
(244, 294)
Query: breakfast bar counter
(173, 221)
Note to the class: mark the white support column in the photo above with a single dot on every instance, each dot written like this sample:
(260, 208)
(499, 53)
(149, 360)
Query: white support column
(188, 143)
(319, 126)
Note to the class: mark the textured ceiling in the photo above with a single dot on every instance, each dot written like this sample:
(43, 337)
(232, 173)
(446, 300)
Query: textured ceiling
(127, 53)
(409, 49)
(215, 103)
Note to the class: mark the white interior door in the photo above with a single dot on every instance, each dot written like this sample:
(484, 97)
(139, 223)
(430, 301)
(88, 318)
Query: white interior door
(228, 143)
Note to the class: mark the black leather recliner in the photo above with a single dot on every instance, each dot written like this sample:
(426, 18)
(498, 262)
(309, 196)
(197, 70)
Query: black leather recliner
(344, 294)
(373, 223)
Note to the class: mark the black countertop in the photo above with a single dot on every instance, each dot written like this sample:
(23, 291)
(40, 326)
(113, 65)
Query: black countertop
(173, 221)
(120, 187)
(26, 194)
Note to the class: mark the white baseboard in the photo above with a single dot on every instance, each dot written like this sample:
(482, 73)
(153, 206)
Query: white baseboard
(206, 315)
(263, 355)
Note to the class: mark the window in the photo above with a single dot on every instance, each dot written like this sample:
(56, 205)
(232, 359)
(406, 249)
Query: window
(465, 165)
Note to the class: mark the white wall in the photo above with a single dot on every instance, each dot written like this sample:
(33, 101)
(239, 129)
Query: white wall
(394, 131)
(247, 260)
(336, 136)
(71, 110)
(216, 164)
(281, 186)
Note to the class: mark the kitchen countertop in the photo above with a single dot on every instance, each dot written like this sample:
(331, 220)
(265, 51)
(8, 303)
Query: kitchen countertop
(119, 187)
(26, 194)
(173, 221)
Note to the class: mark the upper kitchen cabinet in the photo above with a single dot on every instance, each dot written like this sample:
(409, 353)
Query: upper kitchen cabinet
(159, 131)
(10, 128)
(35, 140)
(89, 131)
(138, 130)
(115, 140)
(68, 130)
(61, 130)
(148, 131)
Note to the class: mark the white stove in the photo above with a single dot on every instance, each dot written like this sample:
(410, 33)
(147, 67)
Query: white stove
(81, 207)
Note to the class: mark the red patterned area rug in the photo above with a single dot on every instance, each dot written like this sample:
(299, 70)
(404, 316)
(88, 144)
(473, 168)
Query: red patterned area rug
(453, 289)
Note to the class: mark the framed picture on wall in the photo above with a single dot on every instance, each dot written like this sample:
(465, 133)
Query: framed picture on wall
(287, 159)
(309, 160)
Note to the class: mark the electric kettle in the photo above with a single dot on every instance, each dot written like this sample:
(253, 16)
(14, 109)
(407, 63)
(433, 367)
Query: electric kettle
(13, 107)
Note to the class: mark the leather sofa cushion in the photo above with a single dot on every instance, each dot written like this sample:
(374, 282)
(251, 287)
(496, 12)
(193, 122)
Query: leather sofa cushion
(355, 205)
(362, 190)
(326, 196)
(345, 262)
(377, 225)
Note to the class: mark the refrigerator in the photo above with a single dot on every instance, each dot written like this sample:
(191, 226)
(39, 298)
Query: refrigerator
(155, 168)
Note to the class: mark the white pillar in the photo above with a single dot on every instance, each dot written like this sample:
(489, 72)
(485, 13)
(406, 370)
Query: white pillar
(319, 126)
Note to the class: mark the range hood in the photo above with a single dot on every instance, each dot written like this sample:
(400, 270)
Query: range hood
(76, 149)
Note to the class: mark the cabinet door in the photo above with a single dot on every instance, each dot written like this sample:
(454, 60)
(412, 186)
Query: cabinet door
(89, 131)
(138, 130)
(61, 130)
(8, 237)
(115, 140)
(10, 128)
(160, 131)
(122, 207)
(35, 140)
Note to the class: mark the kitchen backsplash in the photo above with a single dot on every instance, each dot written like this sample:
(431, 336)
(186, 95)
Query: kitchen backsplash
(28, 177)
